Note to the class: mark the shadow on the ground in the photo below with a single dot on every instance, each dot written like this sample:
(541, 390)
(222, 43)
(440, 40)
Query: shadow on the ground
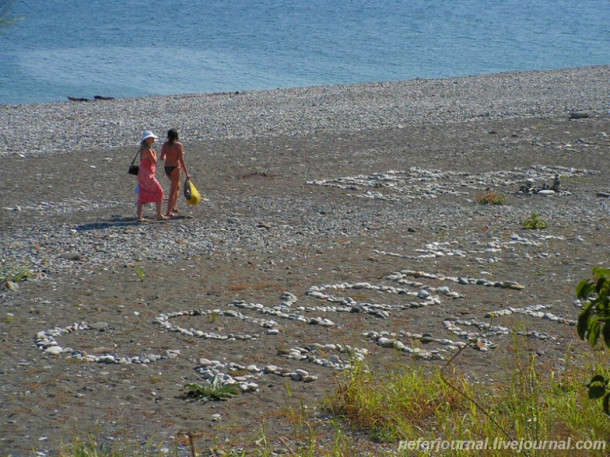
(120, 221)
(114, 221)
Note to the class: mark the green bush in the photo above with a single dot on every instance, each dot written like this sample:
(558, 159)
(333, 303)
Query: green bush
(534, 222)
(593, 322)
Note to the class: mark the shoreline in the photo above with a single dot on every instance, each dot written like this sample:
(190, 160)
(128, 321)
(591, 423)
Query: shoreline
(59, 127)
(110, 97)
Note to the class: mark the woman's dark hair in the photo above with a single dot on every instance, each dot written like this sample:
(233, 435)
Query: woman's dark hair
(172, 135)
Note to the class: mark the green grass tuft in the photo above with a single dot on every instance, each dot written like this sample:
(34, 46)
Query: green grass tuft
(491, 198)
(211, 391)
(140, 272)
(535, 222)
(15, 273)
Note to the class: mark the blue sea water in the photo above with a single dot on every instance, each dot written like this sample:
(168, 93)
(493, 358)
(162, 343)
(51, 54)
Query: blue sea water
(133, 48)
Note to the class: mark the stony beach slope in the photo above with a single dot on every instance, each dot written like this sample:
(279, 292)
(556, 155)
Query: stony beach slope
(334, 218)
(105, 125)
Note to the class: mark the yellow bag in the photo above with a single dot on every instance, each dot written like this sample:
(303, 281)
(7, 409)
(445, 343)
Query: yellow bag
(192, 195)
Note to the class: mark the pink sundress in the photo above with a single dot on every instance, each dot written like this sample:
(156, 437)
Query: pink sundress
(150, 189)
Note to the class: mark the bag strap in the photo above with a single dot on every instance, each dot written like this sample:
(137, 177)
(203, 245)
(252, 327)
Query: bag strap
(134, 157)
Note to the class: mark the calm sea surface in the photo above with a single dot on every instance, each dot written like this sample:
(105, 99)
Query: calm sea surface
(135, 48)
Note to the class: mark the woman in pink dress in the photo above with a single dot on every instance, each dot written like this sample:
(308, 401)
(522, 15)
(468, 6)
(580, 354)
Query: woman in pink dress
(150, 190)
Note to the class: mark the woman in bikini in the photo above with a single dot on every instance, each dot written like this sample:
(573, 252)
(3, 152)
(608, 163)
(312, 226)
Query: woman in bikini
(149, 189)
(173, 154)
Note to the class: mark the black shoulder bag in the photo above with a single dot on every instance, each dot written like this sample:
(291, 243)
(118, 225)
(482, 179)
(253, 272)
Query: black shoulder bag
(133, 168)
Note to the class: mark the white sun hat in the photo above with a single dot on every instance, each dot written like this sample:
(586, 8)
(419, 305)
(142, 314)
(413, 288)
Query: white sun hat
(148, 134)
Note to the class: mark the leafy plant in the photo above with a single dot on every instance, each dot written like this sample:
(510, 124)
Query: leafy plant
(593, 322)
(491, 198)
(212, 317)
(535, 222)
(209, 391)
(140, 272)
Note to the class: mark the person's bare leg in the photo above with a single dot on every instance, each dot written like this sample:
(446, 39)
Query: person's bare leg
(175, 207)
(173, 192)
(160, 215)
(139, 212)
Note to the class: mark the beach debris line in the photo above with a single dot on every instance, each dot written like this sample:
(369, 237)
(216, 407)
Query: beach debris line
(83, 99)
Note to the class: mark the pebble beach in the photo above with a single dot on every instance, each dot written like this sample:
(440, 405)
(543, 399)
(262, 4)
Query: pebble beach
(321, 205)
(104, 125)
